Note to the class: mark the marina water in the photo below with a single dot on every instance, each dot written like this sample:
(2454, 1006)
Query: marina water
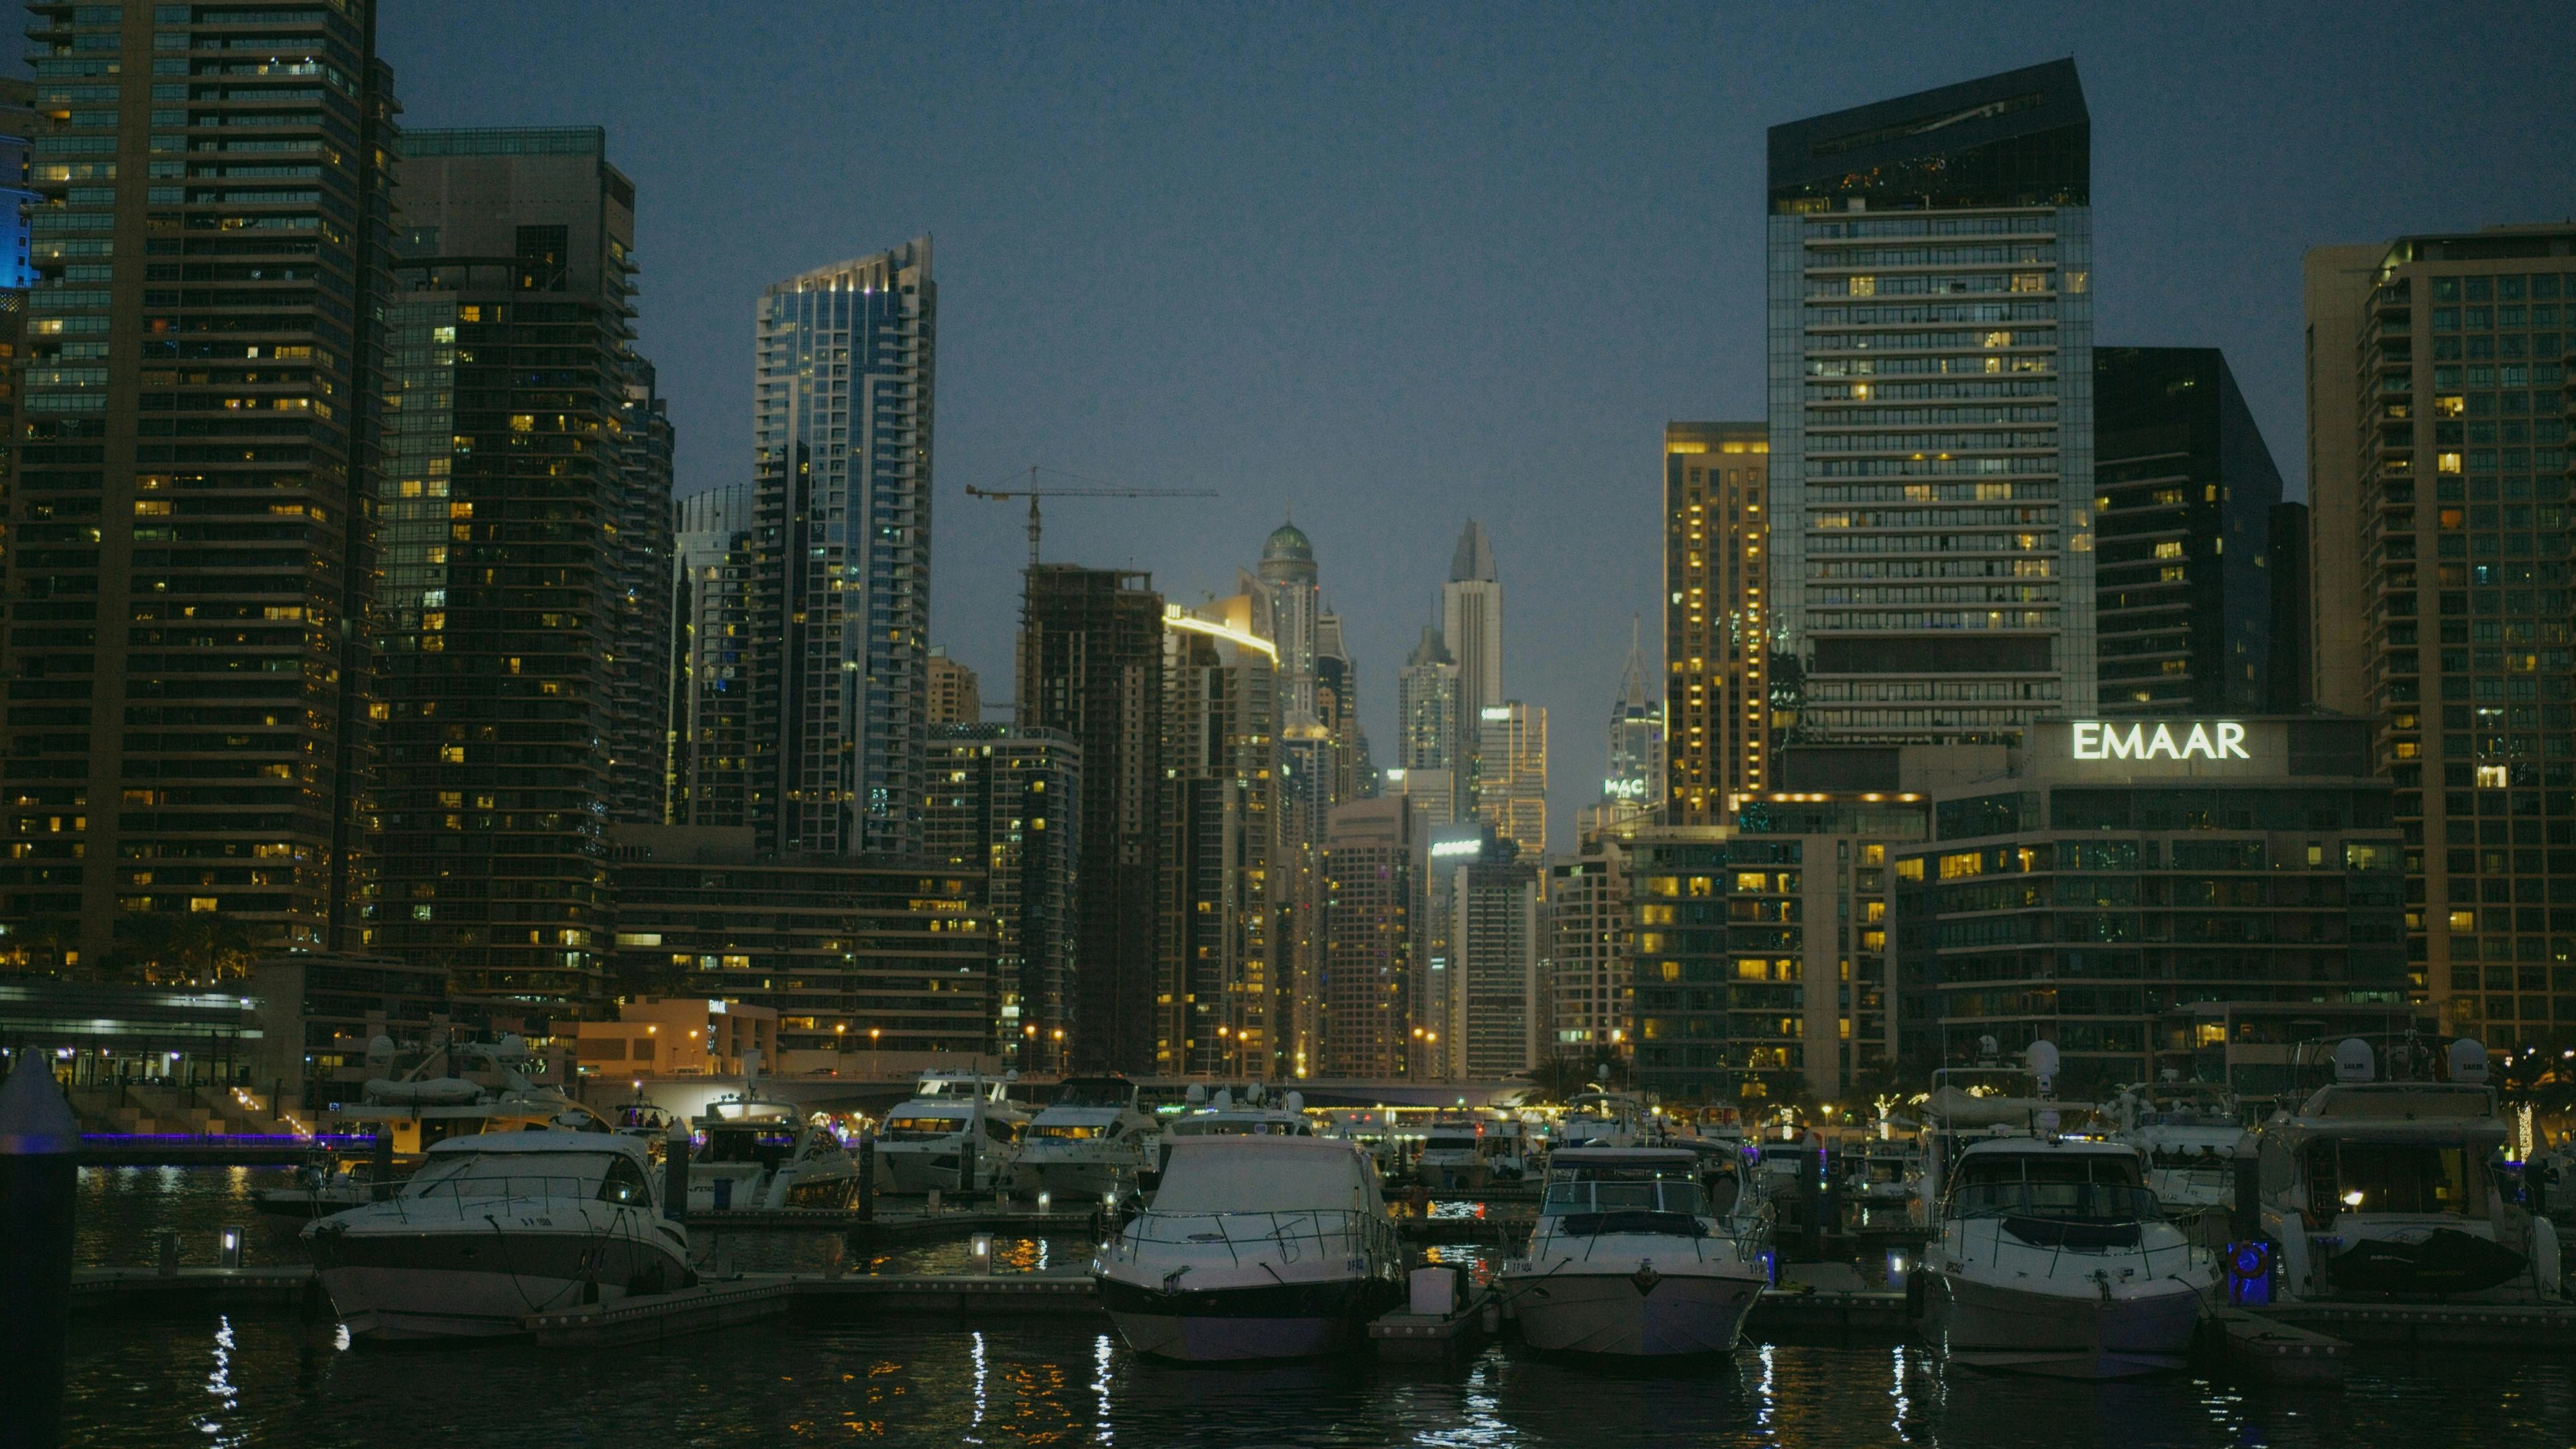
(257, 1377)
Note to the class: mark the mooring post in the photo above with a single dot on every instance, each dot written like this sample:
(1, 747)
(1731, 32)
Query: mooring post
(39, 1177)
(380, 1181)
(867, 1177)
(675, 1171)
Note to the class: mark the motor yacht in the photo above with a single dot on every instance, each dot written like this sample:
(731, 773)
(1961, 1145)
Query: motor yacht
(499, 1226)
(2187, 1132)
(1092, 1142)
(2381, 1190)
(417, 1110)
(1882, 1181)
(1257, 1246)
(1255, 1116)
(1603, 1119)
(1455, 1157)
(1631, 1257)
(758, 1152)
(960, 1131)
(324, 1186)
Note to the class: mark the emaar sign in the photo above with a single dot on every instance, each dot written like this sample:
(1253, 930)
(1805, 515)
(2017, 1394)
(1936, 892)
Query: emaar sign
(2212, 740)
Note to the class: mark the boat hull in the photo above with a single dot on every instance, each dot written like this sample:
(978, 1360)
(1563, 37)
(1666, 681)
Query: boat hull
(1232, 1325)
(921, 1171)
(2065, 1335)
(482, 1284)
(1635, 1314)
(1069, 1180)
(1453, 1176)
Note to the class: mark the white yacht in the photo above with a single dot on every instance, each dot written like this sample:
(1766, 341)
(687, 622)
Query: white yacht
(2387, 1190)
(1091, 1143)
(1603, 1119)
(960, 1131)
(1457, 1156)
(2187, 1132)
(1255, 1116)
(324, 1186)
(2052, 1257)
(499, 1226)
(761, 1153)
(418, 1110)
(1257, 1246)
(1631, 1257)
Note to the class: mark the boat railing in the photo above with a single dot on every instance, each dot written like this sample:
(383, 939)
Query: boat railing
(1289, 1232)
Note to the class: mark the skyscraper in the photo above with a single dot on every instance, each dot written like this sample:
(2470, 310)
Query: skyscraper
(713, 599)
(642, 637)
(2183, 492)
(191, 512)
(1222, 845)
(842, 416)
(1286, 574)
(1512, 756)
(1633, 761)
(1495, 938)
(1005, 801)
(953, 695)
(1471, 628)
(1091, 665)
(1931, 369)
(2440, 495)
(1427, 726)
(507, 597)
(1373, 905)
(1717, 705)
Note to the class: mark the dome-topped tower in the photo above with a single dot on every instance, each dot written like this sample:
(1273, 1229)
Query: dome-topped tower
(1288, 541)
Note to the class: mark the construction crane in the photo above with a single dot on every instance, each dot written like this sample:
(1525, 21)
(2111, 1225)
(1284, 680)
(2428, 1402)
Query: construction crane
(1100, 490)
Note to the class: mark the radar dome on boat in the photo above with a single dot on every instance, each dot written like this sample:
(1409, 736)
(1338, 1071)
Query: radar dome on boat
(1223, 1099)
(2468, 1060)
(1296, 1101)
(1252, 1094)
(511, 1045)
(2042, 1057)
(2354, 1061)
(1196, 1096)
(380, 1049)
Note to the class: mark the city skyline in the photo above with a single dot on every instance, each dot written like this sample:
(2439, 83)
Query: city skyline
(2219, 166)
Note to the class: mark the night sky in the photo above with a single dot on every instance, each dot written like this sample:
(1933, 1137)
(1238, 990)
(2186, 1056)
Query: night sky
(1387, 267)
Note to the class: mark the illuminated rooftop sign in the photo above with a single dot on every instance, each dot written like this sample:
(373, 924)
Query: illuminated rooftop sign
(2212, 740)
(1457, 847)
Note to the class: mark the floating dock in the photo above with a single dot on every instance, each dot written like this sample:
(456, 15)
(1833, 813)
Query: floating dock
(2277, 1352)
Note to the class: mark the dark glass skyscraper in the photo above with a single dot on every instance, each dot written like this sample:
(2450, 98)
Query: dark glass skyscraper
(2184, 489)
(192, 515)
(523, 494)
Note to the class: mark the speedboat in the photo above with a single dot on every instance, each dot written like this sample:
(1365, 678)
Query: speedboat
(2376, 1191)
(1631, 1258)
(1257, 1246)
(496, 1227)
(959, 1132)
(2052, 1257)
(1882, 1182)
(1092, 1142)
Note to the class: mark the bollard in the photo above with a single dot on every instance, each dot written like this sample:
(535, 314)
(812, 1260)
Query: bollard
(165, 1252)
(38, 1187)
(675, 1171)
(982, 1248)
(933, 1204)
(380, 1182)
(867, 1177)
(1046, 1201)
(228, 1246)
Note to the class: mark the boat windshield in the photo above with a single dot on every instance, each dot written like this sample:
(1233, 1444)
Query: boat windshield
(1639, 1193)
(2090, 1188)
(921, 1129)
(607, 1176)
(768, 1145)
(2392, 1177)
(1451, 1142)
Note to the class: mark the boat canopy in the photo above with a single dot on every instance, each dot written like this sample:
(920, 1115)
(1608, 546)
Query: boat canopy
(1236, 1174)
(2401, 1100)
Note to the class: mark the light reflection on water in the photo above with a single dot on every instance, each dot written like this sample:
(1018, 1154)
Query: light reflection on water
(199, 1378)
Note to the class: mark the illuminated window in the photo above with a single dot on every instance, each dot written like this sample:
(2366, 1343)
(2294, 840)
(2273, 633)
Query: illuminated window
(2170, 548)
(2446, 463)
(1864, 286)
(2491, 777)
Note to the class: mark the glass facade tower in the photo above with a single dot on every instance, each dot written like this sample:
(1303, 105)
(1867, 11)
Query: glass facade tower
(841, 421)
(1930, 346)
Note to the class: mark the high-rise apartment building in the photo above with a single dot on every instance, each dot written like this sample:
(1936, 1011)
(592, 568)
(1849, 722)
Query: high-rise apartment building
(191, 510)
(1373, 908)
(1471, 629)
(713, 617)
(2288, 685)
(1717, 704)
(641, 661)
(1091, 666)
(1005, 801)
(18, 128)
(507, 603)
(842, 416)
(1632, 777)
(1930, 266)
(1222, 844)
(1337, 709)
(1495, 940)
(2440, 498)
(1511, 792)
(953, 694)
(1286, 576)
(2183, 496)
(1427, 728)
(1583, 969)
